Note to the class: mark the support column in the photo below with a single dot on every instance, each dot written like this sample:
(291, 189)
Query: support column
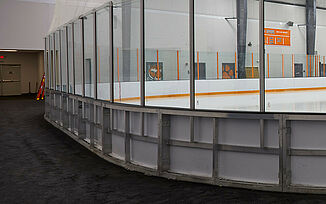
(241, 37)
(81, 120)
(127, 137)
(106, 131)
(163, 163)
(310, 26)
(215, 150)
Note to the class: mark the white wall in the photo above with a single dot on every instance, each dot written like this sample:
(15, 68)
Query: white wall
(24, 24)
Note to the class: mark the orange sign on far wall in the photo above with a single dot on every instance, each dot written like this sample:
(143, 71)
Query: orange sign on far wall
(277, 37)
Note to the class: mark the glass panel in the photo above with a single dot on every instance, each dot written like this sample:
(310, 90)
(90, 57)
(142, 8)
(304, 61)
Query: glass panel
(46, 62)
(291, 71)
(89, 55)
(70, 60)
(51, 57)
(78, 58)
(64, 59)
(167, 53)
(126, 53)
(226, 55)
(57, 62)
(103, 45)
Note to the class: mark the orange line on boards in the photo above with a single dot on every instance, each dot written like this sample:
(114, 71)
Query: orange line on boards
(118, 64)
(158, 66)
(137, 65)
(217, 76)
(178, 65)
(236, 68)
(252, 65)
(197, 65)
(226, 93)
(268, 64)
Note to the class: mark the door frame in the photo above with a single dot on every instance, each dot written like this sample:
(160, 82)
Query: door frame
(1, 80)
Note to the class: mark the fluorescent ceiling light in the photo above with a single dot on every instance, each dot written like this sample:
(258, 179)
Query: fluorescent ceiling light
(8, 50)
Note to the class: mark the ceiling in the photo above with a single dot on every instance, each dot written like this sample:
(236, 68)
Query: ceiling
(40, 1)
(320, 3)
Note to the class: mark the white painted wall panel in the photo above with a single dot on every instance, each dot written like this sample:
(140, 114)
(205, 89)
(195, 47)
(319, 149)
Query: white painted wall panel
(308, 135)
(144, 154)
(191, 161)
(248, 167)
(308, 170)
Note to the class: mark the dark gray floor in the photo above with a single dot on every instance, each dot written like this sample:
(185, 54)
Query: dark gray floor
(40, 164)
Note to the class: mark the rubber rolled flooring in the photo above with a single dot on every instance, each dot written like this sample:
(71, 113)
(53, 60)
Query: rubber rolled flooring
(40, 164)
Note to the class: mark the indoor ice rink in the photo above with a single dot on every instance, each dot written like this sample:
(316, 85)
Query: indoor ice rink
(222, 92)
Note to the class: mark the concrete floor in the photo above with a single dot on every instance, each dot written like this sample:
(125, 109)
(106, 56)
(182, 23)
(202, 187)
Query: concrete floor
(40, 164)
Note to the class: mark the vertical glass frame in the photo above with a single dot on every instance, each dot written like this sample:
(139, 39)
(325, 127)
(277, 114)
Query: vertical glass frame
(50, 57)
(46, 62)
(64, 65)
(51, 60)
(289, 68)
(103, 54)
(71, 73)
(78, 56)
(226, 57)
(89, 53)
(57, 61)
(167, 47)
(126, 58)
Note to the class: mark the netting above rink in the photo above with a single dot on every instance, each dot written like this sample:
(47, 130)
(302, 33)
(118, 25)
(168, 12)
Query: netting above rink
(66, 10)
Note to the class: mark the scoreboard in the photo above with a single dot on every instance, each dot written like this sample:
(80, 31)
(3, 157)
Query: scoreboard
(277, 37)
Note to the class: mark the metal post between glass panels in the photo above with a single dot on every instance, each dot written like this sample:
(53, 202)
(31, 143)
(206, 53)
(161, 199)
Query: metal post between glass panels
(142, 52)
(67, 59)
(95, 56)
(192, 52)
(83, 56)
(111, 63)
(261, 57)
(45, 63)
(54, 64)
(73, 54)
(60, 64)
(49, 62)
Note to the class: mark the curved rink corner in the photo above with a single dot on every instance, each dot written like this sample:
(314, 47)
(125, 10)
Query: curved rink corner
(40, 164)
